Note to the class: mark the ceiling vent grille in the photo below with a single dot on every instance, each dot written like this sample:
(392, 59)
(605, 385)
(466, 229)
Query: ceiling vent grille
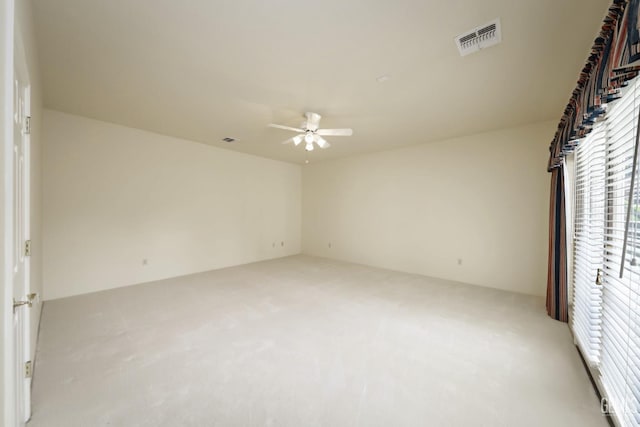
(479, 38)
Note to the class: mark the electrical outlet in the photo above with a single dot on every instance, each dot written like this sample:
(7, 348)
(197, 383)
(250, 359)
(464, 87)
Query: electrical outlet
(329, 245)
(273, 245)
(145, 261)
(282, 243)
(459, 261)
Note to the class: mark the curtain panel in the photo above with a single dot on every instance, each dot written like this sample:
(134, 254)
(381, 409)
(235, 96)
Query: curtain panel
(557, 289)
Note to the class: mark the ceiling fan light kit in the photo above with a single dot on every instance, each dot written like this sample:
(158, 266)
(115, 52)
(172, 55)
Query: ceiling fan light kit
(311, 134)
(308, 137)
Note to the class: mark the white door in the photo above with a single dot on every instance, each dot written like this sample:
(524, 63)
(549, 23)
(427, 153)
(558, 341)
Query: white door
(21, 288)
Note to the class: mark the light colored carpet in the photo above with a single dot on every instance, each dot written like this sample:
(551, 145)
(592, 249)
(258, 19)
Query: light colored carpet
(303, 341)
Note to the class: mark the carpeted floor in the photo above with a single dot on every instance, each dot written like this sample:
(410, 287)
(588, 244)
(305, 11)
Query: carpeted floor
(304, 341)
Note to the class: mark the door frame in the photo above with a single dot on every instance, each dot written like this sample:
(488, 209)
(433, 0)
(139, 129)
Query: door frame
(7, 372)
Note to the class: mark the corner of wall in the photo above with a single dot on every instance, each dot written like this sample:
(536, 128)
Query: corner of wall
(442, 209)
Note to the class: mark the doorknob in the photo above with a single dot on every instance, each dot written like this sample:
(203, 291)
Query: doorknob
(28, 302)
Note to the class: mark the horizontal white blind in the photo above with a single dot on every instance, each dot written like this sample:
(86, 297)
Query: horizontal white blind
(589, 243)
(620, 355)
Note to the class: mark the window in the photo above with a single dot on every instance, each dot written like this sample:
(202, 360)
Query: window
(605, 318)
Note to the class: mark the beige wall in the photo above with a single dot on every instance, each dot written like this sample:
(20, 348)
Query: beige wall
(481, 199)
(114, 196)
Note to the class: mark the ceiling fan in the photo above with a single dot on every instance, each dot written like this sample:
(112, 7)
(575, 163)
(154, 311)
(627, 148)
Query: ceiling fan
(310, 133)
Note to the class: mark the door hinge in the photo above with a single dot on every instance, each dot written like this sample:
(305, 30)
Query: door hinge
(27, 125)
(28, 369)
(27, 248)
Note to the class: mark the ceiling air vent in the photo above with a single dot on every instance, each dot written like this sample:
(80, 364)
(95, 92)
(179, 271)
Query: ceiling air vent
(479, 38)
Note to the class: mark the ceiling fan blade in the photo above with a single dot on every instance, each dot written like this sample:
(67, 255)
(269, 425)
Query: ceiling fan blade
(335, 132)
(322, 143)
(296, 140)
(313, 121)
(285, 128)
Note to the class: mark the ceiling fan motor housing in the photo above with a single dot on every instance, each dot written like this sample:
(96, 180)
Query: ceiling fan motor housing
(313, 121)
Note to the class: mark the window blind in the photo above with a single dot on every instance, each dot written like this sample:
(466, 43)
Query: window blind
(605, 319)
(620, 355)
(588, 243)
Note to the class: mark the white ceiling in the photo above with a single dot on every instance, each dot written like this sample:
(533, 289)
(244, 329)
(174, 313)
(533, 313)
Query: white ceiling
(203, 70)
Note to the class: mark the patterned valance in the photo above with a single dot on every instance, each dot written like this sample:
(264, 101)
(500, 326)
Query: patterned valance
(611, 63)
